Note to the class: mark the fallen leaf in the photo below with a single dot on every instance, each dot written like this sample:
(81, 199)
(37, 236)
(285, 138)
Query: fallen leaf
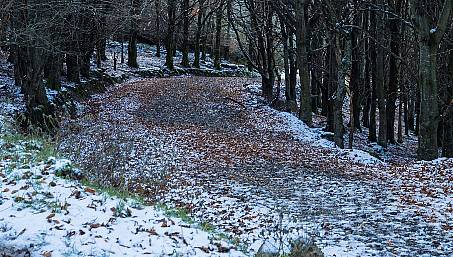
(90, 190)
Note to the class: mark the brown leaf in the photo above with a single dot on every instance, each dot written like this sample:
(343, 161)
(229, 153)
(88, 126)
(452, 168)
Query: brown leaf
(50, 216)
(90, 190)
(95, 225)
(153, 232)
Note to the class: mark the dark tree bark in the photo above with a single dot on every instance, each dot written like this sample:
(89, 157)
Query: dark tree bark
(305, 113)
(355, 76)
(39, 111)
(157, 6)
(429, 40)
(197, 50)
(218, 33)
(29, 62)
(393, 82)
(372, 135)
(286, 64)
(380, 80)
(170, 37)
(185, 44)
(447, 146)
(132, 46)
(292, 70)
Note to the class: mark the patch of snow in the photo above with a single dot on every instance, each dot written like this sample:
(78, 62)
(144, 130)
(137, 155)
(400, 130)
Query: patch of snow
(41, 214)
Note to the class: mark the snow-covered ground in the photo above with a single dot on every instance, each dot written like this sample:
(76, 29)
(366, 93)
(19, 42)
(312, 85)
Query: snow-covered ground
(262, 175)
(43, 214)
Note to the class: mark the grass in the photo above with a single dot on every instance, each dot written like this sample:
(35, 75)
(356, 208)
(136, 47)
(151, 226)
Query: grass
(34, 148)
(180, 213)
(114, 192)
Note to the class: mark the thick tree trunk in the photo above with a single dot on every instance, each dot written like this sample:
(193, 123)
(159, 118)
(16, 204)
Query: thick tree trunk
(429, 40)
(39, 111)
(343, 64)
(429, 110)
(169, 41)
(132, 46)
(305, 113)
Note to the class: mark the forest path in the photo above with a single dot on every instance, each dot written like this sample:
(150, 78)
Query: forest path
(204, 145)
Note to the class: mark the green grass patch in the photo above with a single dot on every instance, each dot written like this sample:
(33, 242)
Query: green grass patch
(180, 213)
(34, 148)
(113, 191)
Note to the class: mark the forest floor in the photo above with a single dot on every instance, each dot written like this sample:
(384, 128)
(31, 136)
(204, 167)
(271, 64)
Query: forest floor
(212, 147)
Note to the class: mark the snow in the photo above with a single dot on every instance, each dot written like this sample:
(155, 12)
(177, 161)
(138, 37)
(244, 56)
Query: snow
(41, 213)
(288, 122)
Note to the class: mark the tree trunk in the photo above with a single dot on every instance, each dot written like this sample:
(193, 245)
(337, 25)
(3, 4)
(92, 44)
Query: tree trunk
(218, 33)
(372, 136)
(196, 61)
(169, 42)
(429, 110)
(185, 44)
(157, 5)
(132, 46)
(292, 70)
(429, 40)
(447, 148)
(39, 111)
(305, 113)
(393, 78)
(380, 81)
(342, 62)
(286, 64)
(355, 77)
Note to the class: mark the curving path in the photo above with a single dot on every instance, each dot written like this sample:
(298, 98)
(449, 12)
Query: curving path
(210, 146)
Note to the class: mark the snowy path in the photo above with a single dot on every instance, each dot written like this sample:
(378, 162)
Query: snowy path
(209, 146)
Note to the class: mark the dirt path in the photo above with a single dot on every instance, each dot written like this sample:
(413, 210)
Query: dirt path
(206, 145)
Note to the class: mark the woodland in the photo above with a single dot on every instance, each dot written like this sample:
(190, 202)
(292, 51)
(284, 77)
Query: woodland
(226, 128)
